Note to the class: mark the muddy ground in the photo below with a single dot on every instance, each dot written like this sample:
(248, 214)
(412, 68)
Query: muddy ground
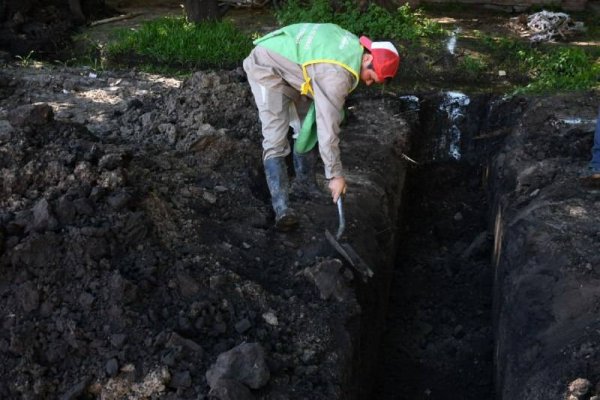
(138, 259)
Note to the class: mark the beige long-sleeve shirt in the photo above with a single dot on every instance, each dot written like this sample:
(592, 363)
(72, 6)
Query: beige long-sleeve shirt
(331, 84)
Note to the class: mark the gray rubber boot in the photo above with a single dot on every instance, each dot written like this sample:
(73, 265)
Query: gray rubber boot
(305, 183)
(278, 182)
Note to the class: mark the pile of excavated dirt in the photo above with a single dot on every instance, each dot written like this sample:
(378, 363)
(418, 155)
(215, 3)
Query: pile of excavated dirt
(137, 255)
(43, 29)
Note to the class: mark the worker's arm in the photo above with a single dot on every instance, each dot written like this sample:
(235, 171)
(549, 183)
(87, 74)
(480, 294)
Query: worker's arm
(331, 85)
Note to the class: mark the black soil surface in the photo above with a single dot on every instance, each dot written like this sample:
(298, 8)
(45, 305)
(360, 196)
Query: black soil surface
(44, 27)
(137, 241)
(138, 258)
(438, 339)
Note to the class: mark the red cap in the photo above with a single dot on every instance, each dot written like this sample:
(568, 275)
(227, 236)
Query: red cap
(385, 57)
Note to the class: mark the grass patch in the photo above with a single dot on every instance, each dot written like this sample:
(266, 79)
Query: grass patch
(174, 42)
(472, 66)
(548, 67)
(173, 46)
(402, 24)
(567, 68)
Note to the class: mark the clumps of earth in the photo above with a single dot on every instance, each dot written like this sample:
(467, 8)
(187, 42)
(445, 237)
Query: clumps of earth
(138, 258)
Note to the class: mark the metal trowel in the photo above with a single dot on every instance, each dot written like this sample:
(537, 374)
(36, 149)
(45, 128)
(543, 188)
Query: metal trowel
(345, 250)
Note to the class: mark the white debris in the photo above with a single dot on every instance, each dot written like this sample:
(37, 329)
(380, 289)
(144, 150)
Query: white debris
(577, 121)
(451, 46)
(410, 98)
(546, 25)
(270, 318)
(454, 105)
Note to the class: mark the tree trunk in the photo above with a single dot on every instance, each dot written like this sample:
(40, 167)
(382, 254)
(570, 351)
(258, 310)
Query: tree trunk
(76, 11)
(202, 10)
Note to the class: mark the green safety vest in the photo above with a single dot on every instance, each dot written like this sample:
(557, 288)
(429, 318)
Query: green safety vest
(307, 44)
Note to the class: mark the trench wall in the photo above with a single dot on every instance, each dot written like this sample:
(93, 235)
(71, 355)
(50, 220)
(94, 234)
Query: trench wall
(376, 174)
(546, 253)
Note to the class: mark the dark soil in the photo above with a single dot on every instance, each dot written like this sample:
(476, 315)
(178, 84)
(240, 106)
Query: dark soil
(439, 340)
(44, 28)
(138, 244)
(137, 247)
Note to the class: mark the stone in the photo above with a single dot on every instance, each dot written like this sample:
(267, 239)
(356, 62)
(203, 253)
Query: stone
(176, 340)
(65, 210)
(229, 389)
(118, 340)
(85, 300)
(111, 161)
(243, 325)
(244, 363)
(75, 391)
(119, 200)
(579, 387)
(270, 318)
(42, 218)
(112, 367)
(329, 279)
(181, 379)
(30, 115)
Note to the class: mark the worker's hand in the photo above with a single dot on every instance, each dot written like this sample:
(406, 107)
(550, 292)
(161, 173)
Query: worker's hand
(337, 186)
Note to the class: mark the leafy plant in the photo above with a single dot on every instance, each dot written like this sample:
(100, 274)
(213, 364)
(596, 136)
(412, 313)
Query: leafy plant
(27, 60)
(87, 52)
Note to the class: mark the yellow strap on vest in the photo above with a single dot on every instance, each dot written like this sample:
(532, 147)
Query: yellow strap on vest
(306, 87)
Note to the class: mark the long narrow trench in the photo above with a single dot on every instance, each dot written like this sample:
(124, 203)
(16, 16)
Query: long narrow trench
(438, 341)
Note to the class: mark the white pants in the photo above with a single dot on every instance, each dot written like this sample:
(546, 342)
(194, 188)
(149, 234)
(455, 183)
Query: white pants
(278, 109)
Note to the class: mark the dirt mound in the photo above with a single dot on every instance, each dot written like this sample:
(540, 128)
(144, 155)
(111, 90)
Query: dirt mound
(137, 243)
(45, 27)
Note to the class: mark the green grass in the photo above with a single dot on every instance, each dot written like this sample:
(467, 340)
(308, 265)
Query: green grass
(548, 67)
(173, 46)
(562, 69)
(173, 42)
(472, 66)
(377, 22)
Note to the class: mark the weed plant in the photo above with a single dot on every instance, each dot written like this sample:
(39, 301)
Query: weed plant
(174, 42)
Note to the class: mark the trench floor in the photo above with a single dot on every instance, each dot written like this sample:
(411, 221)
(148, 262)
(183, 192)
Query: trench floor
(438, 341)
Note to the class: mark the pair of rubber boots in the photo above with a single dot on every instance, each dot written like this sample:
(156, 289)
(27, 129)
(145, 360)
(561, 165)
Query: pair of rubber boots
(304, 186)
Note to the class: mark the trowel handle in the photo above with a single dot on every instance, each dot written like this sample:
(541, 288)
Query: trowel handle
(342, 224)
